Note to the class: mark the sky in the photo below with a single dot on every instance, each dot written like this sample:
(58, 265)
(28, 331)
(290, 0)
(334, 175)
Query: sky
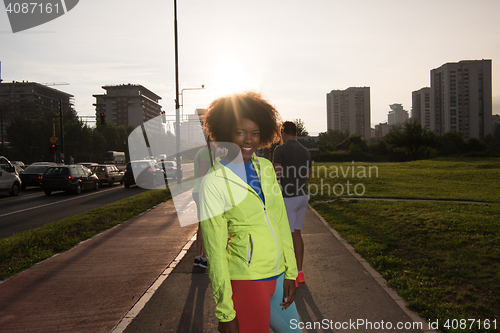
(293, 52)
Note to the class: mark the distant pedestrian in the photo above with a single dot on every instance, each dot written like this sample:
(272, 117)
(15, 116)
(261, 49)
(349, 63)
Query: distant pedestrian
(202, 165)
(71, 160)
(292, 163)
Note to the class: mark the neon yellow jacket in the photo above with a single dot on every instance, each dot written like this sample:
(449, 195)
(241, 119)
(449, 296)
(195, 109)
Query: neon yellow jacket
(260, 242)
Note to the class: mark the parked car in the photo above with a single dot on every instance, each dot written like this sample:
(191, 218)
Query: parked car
(72, 177)
(144, 173)
(33, 173)
(9, 179)
(108, 173)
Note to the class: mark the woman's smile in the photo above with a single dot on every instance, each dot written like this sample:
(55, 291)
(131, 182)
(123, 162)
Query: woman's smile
(247, 136)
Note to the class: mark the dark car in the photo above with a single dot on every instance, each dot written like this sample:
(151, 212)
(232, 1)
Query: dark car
(33, 173)
(68, 178)
(108, 173)
(170, 168)
(148, 174)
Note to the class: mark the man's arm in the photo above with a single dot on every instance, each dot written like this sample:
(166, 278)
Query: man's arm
(277, 169)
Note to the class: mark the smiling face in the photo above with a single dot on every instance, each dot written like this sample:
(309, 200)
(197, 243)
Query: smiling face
(247, 137)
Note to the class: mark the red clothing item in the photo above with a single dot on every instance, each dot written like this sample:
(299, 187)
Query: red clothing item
(252, 303)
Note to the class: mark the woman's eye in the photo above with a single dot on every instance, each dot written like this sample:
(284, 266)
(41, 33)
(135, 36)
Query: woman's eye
(256, 134)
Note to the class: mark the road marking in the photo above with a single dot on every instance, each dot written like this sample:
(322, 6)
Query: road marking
(55, 203)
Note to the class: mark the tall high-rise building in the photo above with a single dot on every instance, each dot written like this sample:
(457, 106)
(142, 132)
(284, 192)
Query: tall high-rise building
(191, 129)
(349, 111)
(397, 115)
(127, 104)
(30, 100)
(461, 98)
(421, 107)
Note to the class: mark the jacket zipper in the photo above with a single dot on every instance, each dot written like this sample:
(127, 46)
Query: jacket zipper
(267, 218)
(250, 245)
(274, 236)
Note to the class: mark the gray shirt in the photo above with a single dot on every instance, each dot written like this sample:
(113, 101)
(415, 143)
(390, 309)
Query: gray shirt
(295, 162)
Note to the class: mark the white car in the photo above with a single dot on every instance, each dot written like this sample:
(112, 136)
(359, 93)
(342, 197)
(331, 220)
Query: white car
(9, 178)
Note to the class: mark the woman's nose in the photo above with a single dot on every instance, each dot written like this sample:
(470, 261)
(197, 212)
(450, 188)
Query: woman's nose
(248, 138)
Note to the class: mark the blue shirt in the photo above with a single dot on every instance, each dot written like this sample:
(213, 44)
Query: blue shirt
(247, 174)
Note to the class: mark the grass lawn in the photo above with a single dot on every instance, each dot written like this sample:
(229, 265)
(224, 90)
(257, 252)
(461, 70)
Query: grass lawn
(467, 179)
(443, 258)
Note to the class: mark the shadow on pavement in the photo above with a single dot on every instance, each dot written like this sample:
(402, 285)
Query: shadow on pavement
(192, 317)
(307, 308)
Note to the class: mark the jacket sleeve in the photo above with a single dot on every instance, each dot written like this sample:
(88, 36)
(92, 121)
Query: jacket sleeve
(214, 236)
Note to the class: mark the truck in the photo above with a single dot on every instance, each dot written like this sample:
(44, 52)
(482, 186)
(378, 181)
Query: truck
(114, 157)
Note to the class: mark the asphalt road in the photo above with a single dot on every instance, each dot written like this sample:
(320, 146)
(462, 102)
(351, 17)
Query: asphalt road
(32, 208)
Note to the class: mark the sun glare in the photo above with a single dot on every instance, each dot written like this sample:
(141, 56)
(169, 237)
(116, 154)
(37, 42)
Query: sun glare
(230, 76)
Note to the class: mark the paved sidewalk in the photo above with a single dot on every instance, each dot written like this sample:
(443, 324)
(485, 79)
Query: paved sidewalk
(341, 289)
(93, 287)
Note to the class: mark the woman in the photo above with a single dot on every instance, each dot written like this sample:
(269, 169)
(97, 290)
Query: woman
(252, 275)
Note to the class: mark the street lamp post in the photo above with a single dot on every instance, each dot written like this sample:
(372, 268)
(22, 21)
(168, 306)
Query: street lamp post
(1, 128)
(177, 120)
(182, 96)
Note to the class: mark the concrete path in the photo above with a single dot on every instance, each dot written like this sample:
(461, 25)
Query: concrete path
(139, 277)
(92, 286)
(342, 293)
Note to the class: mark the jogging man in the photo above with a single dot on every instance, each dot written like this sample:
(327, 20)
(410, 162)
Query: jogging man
(292, 164)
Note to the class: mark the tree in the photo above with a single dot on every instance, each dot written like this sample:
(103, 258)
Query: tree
(29, 139)
(476, 145)
(452, 143)
(330, 139)
(301, 129)
(353, 142)
(410, 138)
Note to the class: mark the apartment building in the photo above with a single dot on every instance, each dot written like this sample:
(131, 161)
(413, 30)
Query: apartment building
(349, 111)
(30, 100)
(461, 98)
(421, 106)
(127, 104)
(397, 115)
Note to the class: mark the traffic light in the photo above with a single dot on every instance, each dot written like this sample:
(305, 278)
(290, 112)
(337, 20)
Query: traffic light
(53, 148)
(163, 117)
(103, 118)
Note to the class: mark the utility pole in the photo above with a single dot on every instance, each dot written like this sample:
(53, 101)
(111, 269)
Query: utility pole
(54, 155)
(62, 133)
(177, 120)
(1, 128)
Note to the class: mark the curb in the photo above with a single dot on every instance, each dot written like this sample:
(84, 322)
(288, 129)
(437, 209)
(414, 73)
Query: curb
(377, 277)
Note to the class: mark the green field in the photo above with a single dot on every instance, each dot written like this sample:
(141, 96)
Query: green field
(449, 179)
(442, 257)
